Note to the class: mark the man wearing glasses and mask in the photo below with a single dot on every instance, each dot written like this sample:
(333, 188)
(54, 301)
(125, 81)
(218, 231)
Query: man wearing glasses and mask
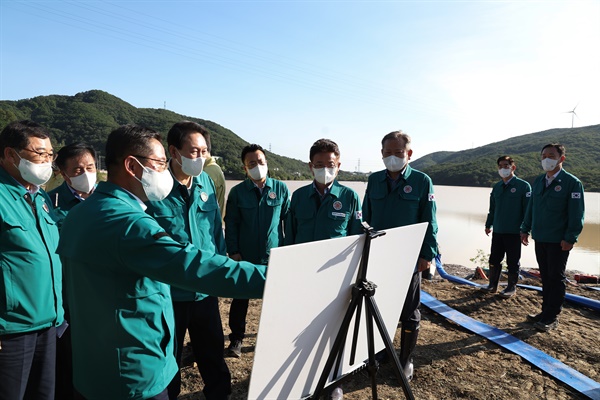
(324, 209)
(119, 282)
(31, 312)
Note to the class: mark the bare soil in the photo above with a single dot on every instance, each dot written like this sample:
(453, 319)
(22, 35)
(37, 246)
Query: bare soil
(451, 362)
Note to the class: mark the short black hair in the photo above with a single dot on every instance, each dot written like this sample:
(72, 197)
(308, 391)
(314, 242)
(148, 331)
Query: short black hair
(76, 149)
(559, 148)
(505, 158)
(397, 135)
(128, 140)
(182, 129)
(324, 146)
(251, 148)
(16, 134)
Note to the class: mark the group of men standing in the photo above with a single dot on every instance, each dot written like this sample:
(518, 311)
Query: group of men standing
(552, 212)
(145, 258)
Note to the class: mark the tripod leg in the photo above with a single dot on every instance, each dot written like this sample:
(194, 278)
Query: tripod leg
(373, 364)
(337, 349)
(355, 336)
(371, 305)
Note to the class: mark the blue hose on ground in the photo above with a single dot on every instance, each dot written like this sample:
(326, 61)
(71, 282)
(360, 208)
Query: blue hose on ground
(439, 267)
(572, 298)
(551, 366)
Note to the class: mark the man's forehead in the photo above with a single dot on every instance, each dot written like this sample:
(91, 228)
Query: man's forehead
(39, 143)
(158, 151)
(195, 139)
(395, 144)
(325, 155)
(83, 158)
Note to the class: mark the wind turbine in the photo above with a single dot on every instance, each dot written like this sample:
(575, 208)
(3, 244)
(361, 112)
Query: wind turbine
(573, 114)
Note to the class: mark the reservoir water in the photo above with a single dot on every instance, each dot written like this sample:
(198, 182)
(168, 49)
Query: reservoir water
(461, 214)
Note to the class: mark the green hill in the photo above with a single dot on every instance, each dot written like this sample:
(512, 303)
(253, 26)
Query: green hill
(91, 116)
(477, 167)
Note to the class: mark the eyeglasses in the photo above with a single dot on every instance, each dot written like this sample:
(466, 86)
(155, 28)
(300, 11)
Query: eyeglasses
(42, 155)
(162, 165)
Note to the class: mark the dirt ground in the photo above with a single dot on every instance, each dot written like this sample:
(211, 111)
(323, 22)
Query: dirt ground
(451, 362)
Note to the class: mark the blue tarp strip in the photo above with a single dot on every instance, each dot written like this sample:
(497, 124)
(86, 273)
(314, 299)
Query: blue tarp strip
(552, 366)
(572, 298)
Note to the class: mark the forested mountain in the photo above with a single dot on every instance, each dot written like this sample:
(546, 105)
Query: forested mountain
(91, 116)
(477, 167)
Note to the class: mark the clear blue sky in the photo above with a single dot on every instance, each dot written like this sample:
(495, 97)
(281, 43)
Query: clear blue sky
(454, 75)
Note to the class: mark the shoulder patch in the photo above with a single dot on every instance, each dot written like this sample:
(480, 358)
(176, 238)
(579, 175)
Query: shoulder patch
(431, 197)
(575, 195)
(358, 215)
(528, 194)
(159, 235)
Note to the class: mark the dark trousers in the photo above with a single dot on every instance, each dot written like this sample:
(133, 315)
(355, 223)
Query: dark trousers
(509, 244)
(552, 261)
(64, 366)
(27, 365)
(411, 316)
(237, 319)
(202, 320)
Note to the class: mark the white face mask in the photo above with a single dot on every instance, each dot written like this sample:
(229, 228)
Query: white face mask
(259, 172)
(156, 185)
(83, 183)
(549, 164)
(393, 163)
(36, 174)
(324, 175)
(504, 172)
(191, 166)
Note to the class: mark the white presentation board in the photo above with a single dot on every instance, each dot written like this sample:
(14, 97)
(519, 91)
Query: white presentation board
(307, 293)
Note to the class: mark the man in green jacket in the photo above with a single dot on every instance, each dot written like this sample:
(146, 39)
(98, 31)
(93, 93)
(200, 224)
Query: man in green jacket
(119, 263)
(190, 214)
(76, 163)
(400, 196)
(256, 210)
(554, 217)
(508, 202)
(31, 281)
(324, 209)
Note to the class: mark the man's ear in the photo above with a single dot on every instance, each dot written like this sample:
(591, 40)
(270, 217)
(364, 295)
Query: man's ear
(172, 151)
(409, 153)
(10, 155)
(130, 165)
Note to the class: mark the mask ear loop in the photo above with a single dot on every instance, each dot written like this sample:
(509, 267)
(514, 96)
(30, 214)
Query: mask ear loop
(130, 170)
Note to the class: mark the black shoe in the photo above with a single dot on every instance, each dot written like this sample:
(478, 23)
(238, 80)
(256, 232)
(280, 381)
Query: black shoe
(488, 289)
(546, 325)
(508, 292)
(534, 317)
(234, 349)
